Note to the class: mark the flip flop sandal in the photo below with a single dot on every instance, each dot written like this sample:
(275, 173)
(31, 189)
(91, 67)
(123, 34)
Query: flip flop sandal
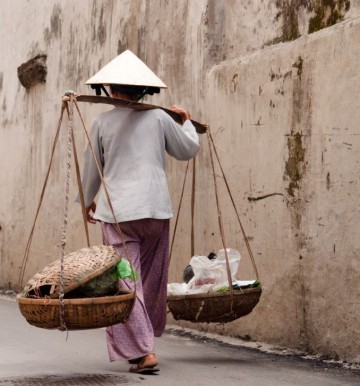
(139, 369)
(135, 361)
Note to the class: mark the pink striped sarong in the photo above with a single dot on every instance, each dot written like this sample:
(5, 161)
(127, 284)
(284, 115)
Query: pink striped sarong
(147, 242)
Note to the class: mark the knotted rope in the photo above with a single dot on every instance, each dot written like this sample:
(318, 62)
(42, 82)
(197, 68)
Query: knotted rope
(62, 244)
(28, 244)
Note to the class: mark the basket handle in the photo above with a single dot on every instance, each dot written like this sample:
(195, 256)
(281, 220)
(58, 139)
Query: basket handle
(236, 211)
(28, 244)
(220, 221)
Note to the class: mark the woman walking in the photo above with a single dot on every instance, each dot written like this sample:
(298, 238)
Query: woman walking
(130, 147)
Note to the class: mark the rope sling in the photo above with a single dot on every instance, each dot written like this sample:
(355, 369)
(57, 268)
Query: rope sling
(212, 306)
(74, 314)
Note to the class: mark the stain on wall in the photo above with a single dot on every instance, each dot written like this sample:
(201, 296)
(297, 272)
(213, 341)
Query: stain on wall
(327, 13)
(98, 23)
(294, 167)
(319, 14)
(295, 164)
(299, 66)
(288, 11)
(214, 21)
(54, 31)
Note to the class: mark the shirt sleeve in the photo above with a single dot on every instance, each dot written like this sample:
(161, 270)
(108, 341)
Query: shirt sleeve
(182, 142)
(91, 179)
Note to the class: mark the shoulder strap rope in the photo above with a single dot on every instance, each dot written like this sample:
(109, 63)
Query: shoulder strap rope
(193, 187)
(28, 244)
(236, 211)
(81, 192)
(62, 244)
(179, 208)
(221, 226)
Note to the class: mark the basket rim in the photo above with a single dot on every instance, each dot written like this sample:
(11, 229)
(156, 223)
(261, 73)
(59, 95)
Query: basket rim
(210, 295)
(78, 301)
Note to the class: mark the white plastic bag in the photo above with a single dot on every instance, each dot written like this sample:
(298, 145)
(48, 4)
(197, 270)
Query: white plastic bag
(210, 275)
(206, 274)
(177, 288)
(234, 261)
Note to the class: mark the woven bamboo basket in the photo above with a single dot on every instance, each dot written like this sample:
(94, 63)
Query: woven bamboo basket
(40, 305)
(79, 268)
(214, 307)
(80, 314)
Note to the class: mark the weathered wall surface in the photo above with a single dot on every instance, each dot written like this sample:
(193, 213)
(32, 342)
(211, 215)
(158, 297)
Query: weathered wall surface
(291, 106)
(278, 83)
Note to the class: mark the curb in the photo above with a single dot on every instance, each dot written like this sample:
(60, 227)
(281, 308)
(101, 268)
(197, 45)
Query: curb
(264, 348)
(8, 295)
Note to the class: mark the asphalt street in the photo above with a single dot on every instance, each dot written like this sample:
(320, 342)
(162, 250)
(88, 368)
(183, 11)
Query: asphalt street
(32, 356)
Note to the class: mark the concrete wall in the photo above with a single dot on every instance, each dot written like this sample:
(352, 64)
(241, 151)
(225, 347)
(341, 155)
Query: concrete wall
(277, 81)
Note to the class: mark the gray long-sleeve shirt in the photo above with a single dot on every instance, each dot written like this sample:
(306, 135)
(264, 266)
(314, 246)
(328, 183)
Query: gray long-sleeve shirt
(130, 147)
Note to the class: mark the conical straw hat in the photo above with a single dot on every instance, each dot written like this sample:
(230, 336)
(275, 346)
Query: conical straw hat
(127, 69)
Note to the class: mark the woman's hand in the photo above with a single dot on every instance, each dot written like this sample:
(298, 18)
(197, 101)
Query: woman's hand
(92, 208)
(184, 114)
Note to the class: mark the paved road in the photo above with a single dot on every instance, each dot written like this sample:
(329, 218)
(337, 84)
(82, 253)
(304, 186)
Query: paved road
(32, 356)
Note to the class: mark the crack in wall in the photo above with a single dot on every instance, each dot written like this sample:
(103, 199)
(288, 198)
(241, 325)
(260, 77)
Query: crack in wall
(264, 196)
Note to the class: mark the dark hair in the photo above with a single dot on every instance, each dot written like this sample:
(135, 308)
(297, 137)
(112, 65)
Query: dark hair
(134, 92)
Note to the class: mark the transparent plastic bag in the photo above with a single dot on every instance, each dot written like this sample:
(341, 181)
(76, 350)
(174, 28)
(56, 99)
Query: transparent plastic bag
(234, 261)
(210, 275)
